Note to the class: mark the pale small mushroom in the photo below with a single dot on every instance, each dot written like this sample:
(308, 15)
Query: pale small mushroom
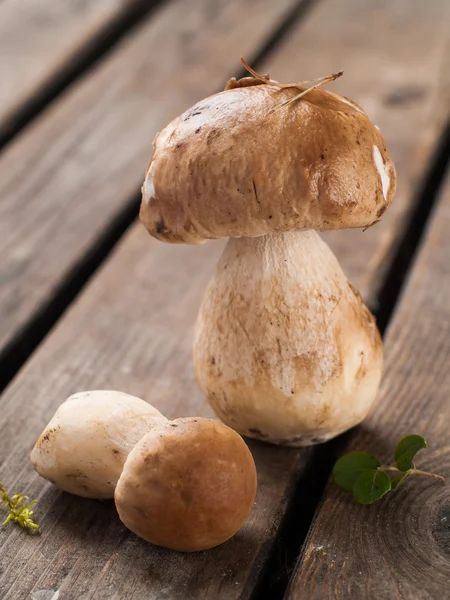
(84, 446)
(285, 350)
(188, 485)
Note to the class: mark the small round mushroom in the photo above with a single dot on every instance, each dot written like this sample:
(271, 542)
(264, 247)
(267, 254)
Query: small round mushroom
(188, 485)
(83, 448)
(285, 350)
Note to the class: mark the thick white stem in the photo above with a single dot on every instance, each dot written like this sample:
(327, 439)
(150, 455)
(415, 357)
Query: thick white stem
(285, 350)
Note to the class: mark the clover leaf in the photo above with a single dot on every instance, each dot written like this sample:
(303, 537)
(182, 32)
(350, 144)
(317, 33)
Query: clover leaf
(365, 476)
(406, 449)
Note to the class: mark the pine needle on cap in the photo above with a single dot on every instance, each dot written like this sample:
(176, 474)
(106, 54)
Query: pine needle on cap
(320, 82)
(313, 83)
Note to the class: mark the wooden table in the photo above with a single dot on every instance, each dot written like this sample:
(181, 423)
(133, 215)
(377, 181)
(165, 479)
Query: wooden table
(89, 301)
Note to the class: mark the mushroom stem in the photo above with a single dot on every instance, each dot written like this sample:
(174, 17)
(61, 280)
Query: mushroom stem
(285, 350)
(84, 446)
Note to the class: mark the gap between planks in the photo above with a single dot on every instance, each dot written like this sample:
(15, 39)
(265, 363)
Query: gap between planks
(79, 61)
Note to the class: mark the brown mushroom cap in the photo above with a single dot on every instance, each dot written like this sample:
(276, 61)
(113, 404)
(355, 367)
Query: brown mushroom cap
(231, 166)
(188, 485)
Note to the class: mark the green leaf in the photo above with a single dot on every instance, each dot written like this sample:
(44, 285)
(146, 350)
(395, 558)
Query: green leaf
(396, 481)
(371, 486)
(406, 450)
(350, 466)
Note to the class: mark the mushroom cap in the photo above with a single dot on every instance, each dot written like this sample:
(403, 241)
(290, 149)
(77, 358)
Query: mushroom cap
(83, 448)
(231, 166)
(187, 485)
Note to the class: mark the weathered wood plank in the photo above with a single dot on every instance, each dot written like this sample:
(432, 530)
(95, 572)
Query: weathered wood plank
(396, 61)
(67, 177)
(39, 39)
(399, 547)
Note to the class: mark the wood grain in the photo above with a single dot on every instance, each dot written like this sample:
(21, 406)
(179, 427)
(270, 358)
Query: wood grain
(396, 62)
(38, 40)
(400, 547)
(65, 179)
(132, 330)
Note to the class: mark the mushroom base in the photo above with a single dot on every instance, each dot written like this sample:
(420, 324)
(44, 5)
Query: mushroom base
(285, 350)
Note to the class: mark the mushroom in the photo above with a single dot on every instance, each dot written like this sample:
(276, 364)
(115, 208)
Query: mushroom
(83, 448)
(187, 485)
(285, 350)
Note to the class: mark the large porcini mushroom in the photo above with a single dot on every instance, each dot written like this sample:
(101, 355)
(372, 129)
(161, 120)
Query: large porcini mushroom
(188, 485)
(83, 448)
(285, 350)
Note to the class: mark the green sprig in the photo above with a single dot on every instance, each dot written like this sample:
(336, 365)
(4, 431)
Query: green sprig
(19, 509)
(365, 476)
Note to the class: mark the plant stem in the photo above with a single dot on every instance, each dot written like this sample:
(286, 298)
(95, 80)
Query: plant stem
(316, 83)
(417, 471)
(320, 82)
(295, 84)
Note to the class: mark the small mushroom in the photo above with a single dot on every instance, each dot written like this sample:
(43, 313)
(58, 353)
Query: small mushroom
(83, 448)
(285, 350)
(188, 485)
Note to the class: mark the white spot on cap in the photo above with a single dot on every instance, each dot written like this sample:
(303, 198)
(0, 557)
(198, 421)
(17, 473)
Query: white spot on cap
(381, 168)
(376, 127)
(148, 189)
(345, 101)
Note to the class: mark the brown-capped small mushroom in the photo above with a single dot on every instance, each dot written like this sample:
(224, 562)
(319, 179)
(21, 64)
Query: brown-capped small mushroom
(188, 485)
(84, 446)
(285, 350)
